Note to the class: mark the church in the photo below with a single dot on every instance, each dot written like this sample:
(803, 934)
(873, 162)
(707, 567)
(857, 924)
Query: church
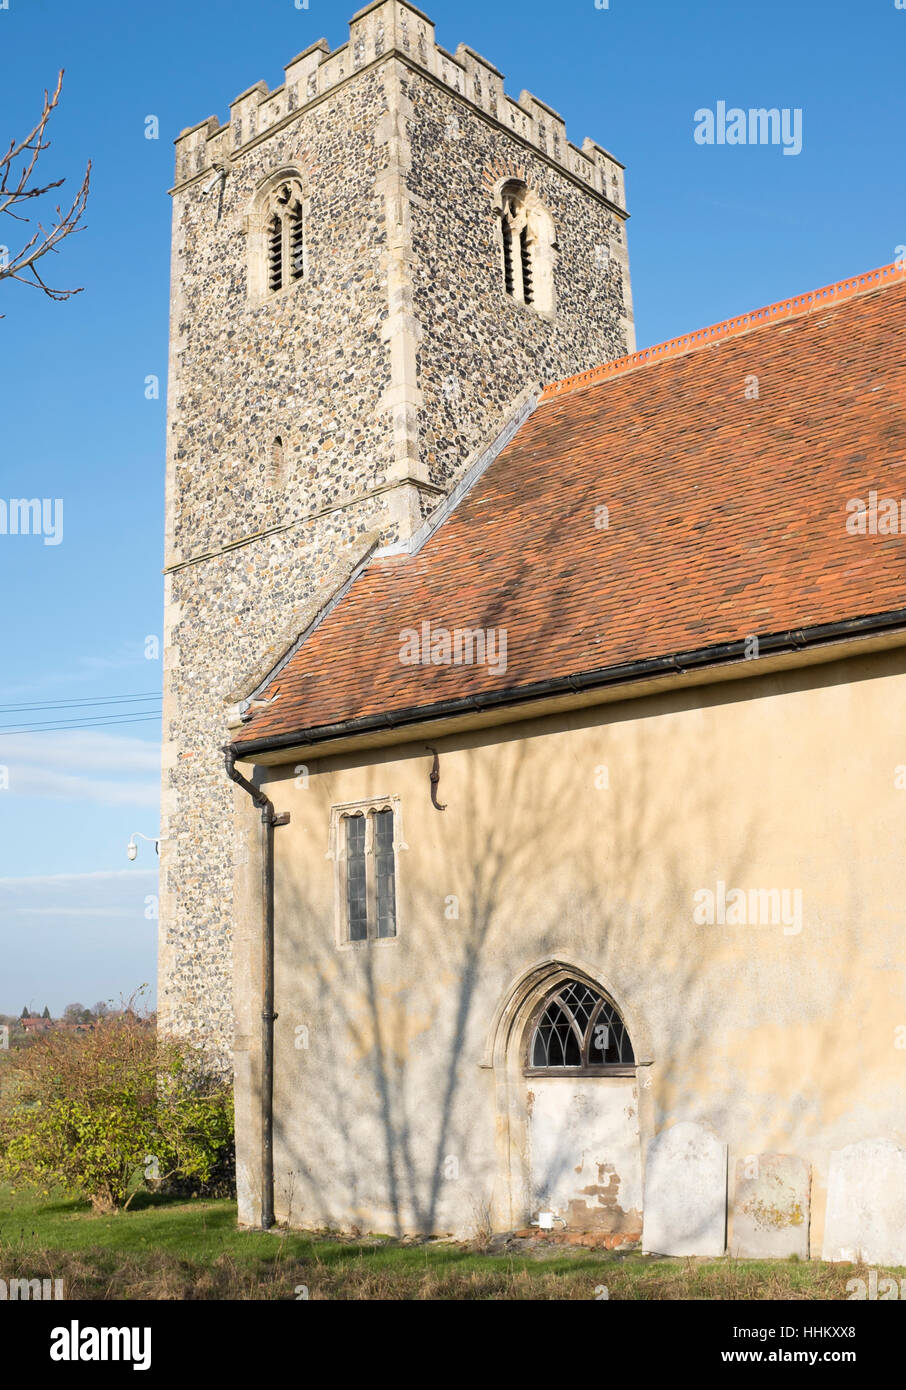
(533, 791)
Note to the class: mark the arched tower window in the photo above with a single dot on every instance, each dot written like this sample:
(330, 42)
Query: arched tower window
(276, 228)
(578, 1031)
(527, 236)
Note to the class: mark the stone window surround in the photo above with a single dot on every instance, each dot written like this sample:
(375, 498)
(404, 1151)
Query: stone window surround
(277, 459)
(256, 226)
(542, 244)
(589, 1072)
(336, 851)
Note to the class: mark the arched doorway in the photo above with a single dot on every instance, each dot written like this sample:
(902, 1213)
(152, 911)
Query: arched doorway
(583, 1145)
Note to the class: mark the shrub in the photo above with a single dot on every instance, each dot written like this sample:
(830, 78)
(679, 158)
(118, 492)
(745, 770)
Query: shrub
(97, 1113)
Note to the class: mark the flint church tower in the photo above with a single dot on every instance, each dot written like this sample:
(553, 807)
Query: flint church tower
(373, 268)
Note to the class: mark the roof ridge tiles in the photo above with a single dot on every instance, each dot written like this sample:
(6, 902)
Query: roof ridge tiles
(828, 296)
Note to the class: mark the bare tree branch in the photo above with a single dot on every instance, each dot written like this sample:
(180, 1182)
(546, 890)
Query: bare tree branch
(17, 187)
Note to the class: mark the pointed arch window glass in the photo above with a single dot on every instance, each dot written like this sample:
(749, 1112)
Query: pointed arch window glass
(579, 1030)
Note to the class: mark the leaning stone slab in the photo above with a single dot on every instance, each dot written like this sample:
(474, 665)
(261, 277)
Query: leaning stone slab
(685, 1202)
(771, 1207)
(866, 1204)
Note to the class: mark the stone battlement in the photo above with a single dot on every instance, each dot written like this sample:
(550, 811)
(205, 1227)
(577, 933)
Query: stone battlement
(395, 28)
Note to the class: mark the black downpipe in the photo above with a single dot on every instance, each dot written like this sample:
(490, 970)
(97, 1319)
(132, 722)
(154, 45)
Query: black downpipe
(269, 819)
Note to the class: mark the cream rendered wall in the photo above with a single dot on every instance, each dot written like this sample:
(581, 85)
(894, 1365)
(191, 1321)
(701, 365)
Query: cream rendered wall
(400, 1105)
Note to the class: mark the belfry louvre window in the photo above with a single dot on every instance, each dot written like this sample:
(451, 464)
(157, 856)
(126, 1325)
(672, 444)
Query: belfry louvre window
(509, 282)
(275, 255)
(275, 226)
(367, 850)
(528, 292)
(285, 239)
(515, 242)
(296, 244)
(528, 239)
(578, 1031)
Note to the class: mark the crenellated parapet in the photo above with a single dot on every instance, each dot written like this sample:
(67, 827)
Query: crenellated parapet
(395, 28)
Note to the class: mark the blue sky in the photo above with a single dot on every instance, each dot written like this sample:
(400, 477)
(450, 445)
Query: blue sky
(714, 231)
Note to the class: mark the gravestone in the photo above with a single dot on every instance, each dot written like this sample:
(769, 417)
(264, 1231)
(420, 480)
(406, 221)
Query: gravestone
(685, 1203)
(771, 1207)
(866, 1204)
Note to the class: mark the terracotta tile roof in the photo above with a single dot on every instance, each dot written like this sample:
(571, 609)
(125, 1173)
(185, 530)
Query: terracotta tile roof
(727, 517)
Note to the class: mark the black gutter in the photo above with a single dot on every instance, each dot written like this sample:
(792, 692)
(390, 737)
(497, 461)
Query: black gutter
(796, 639)
(269, 819)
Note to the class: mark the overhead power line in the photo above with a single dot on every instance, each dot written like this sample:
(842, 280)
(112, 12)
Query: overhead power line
(79, 704)
(154, 716)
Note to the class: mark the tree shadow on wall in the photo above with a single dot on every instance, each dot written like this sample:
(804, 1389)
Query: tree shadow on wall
(395, 1113)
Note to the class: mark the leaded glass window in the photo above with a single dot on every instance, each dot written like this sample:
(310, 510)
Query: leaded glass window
(368, 848)
(356, 879)
(578, 1030)
(384, 872)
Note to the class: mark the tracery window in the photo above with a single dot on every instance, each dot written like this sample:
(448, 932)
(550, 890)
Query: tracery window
(578, 1031)
(276, 229)
(527, 236)
(285, 238)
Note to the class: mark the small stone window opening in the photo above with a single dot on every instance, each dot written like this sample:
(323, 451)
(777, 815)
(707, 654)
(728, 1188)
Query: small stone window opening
(368, 851)
(276, 469)
(577, 1031)
(527, 236)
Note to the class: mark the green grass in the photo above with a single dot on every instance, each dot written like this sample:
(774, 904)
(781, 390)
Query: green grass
(175, 1249)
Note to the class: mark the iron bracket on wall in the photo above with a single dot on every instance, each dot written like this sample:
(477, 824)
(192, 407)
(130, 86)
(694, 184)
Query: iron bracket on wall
(435, 780)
